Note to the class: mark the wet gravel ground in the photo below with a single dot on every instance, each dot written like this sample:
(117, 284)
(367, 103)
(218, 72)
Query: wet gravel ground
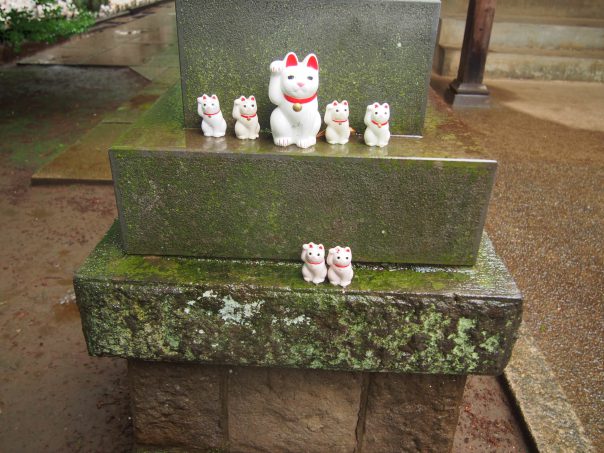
(546, 220)
(53, 397)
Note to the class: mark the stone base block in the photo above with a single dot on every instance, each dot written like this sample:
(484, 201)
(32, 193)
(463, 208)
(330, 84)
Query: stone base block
(408, 413)
(244, 410)
(406, 319)
(414, 201)
(172, 403)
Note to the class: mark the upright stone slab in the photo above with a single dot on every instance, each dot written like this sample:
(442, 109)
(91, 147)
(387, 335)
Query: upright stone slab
(369, 50)
(414, 201)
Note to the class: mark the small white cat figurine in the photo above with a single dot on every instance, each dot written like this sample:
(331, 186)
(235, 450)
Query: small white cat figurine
(244, 112)
(376, 120)
(340, 266)
(212, 122)
(314, 268)
(336, 119)
(293, 89)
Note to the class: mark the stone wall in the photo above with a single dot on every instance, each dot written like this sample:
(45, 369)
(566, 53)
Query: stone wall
(190, 407)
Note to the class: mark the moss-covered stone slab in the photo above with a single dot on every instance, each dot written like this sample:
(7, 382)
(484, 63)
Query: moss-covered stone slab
(414, 201)
(369, 50)
(411, 319)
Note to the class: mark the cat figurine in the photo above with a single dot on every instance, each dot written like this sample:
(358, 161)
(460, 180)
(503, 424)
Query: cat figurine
(314, 268)
(336, 119)
(340, 270)
(244, 112)
(293, 89)
(212, 121)
(376, 119)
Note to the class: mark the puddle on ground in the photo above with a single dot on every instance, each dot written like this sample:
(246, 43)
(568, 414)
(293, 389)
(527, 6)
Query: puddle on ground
(66, 309)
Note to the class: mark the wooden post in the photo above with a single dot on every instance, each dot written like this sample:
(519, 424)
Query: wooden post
(467, 90)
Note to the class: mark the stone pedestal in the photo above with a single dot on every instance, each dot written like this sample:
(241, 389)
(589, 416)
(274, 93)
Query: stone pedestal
(190, 407)
(403, 319)
(244, 356)
(199, 286)
(414, 201)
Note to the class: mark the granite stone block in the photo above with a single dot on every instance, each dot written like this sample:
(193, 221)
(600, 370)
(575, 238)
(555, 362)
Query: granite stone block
(405, 319)
(412, 412)
(173, 403)
(415, 201)
(291, 411)
(369, 50)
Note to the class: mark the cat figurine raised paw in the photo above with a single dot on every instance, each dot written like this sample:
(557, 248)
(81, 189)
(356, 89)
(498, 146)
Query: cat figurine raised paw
(376, 119)
(212, 121)
(244, 112)
(336, 119)
(293, 89)
(314, 268)
(340, 270)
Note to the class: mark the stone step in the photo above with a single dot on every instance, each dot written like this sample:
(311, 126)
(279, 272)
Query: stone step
(534, 8)
(403, 319)
(530, 48)
(87, 160)
(414, 201)
(585, 65)
(531, 33)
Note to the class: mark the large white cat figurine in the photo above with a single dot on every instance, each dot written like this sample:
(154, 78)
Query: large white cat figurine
(377, 118)
(293, 89)
(212, 121)
(244, 112)
(336, 119)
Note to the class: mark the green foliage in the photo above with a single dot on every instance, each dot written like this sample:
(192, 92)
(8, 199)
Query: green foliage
(17, 27)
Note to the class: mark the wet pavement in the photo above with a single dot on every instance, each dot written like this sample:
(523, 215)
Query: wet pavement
(121, 41)
(546, 220)
(53, 397)
(87, 159)
(38, 121)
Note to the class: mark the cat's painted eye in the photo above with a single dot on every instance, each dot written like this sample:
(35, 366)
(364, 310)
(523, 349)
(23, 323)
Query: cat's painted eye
(337, 110)
(253, 105)
(291, 77)
(205, 105)
(244, 106)
(376, 112)
(309, 77)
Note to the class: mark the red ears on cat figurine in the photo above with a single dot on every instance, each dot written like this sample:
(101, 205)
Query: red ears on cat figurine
(311, 61)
